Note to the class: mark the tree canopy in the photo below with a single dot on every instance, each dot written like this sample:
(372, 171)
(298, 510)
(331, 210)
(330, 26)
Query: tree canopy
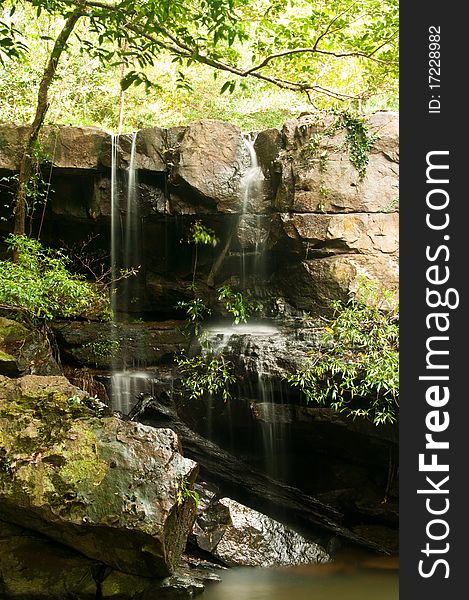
(328, 50)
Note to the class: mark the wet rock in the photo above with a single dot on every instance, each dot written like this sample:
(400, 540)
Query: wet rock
(240, 536)
(212, 159)
(99, 345)
(249, 486)
(24, 351)
(105, 487)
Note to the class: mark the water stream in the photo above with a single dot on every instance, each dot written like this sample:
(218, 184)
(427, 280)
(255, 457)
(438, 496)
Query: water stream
(251, 219)
(127, 383)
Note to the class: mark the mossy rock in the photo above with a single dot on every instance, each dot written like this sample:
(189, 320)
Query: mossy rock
(106, 487)
(24, 351)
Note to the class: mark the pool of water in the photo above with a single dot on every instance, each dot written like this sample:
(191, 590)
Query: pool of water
(311, 582)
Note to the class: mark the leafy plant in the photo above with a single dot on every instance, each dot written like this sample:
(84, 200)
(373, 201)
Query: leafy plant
(236, 304)
(206, 374)
(358, 140)
(41, 287)
(358, 370)
(185, 492)
(196, 310)
(102, 350)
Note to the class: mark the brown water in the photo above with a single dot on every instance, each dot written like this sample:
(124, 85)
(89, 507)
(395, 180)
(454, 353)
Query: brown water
(377, 580)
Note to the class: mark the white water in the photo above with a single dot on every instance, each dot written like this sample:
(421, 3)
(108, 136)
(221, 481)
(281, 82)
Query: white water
(251, 345)
(251, 186)
(126, 383)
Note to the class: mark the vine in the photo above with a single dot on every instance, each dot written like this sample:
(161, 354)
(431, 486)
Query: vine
(358, 139)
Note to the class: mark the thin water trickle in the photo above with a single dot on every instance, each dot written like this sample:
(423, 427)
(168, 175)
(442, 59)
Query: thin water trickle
(251, 186)
(126, 383)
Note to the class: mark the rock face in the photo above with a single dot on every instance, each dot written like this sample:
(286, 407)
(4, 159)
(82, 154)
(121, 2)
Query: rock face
(309, 230)
(111, 489)
(239, 536)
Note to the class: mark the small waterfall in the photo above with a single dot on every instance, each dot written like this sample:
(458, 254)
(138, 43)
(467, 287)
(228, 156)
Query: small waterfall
(126, 383)
(251, 346)
(253, 235)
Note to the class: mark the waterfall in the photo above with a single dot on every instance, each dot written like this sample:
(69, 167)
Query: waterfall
(251, 232)
(126, 382)
(251, 345)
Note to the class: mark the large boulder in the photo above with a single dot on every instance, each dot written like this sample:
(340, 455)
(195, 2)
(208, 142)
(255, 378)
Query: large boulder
(212, 160)
(116, 491)
(240, 536)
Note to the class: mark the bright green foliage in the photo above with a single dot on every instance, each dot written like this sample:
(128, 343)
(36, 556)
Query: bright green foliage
(41, 286)
(201, 234)
(359, 141)
(205, 374)
(311, 51)
(236, 304)
(196, 311)
(358, 371)
(185, 492)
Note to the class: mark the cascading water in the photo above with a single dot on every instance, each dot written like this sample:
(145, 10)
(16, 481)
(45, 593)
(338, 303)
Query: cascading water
(127, 383)
(251, 219)
(251, 346)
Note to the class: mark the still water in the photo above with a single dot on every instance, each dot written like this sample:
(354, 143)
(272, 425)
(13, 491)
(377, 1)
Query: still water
(312, 582)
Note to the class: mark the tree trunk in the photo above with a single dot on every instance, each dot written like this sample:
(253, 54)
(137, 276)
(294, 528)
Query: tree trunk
(42, 106)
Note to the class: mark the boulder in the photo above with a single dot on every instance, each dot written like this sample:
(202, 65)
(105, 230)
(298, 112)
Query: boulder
(319, 177)
(114, 490)
(12, 142)
(24, 351)
(212, 159)
(240, 536)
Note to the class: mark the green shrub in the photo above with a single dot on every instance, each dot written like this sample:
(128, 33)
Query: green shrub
(358, 370)
(206, 374)
(41, 286)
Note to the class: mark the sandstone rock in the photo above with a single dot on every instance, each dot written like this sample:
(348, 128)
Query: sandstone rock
(211, 162)
(353, 233)
(12, 142)
(240, 536)
(105, 487)
(74, 147)
(23, 351)
(314, 283)
(267, 146)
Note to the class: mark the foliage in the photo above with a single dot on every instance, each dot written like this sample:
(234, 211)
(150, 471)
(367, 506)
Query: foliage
(205, 374)
(358, 140)
(102, 350)
(201, 234)
(332, 51)
(185, 492)
(358, 370)
(236, 304)
(41, 286)
(196, 311)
